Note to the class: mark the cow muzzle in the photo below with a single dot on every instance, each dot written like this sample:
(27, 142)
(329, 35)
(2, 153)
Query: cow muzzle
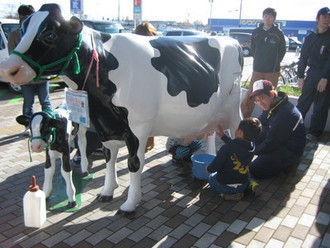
(38, 145)
(16, 70)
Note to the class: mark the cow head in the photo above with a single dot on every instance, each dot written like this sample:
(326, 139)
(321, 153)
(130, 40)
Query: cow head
(43, 126)
(48, 46)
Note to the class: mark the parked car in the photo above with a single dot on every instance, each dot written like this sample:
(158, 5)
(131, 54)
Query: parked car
(109, 27)
(6, 26)
(183, 32)
(294, 43)
(244, 39)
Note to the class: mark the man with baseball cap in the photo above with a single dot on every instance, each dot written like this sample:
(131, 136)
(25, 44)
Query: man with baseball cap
(315, 55)
(282, 142)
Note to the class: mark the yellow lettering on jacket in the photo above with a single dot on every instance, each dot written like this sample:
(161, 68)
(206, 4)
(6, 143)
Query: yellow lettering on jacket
(242, 169)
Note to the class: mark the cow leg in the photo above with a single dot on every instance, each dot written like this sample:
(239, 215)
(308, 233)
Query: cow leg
(66, 171)
(110, 180)
(134, 191)
(49, 173)
(70, 189)
(132, 144)
(82, 144)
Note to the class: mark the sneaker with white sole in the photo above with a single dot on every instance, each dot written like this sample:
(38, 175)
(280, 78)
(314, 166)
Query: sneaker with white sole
(312, 137)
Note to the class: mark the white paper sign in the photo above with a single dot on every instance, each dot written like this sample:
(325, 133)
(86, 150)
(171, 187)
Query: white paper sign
(77, 102)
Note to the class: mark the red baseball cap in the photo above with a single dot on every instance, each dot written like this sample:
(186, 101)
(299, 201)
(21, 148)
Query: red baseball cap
(260, 87)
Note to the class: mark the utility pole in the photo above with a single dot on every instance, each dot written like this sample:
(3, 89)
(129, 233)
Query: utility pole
(211, 2)
(211, 5)
(240, 14)
(118, 11)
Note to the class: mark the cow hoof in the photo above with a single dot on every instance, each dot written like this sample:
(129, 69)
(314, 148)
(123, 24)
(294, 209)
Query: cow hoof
(84, 174)
(104, 198)
(126, 214)
(72, 204)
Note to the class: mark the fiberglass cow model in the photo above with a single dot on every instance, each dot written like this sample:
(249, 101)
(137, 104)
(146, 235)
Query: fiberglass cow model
(144, 86)
(52, 131)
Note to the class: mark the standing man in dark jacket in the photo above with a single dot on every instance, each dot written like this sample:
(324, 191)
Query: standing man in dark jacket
(283, 140)
(315, 54)
(268, 50)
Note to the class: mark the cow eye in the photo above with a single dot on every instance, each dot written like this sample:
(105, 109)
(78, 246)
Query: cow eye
(48, 38)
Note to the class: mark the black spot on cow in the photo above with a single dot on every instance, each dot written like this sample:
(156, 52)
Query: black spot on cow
(190, 65)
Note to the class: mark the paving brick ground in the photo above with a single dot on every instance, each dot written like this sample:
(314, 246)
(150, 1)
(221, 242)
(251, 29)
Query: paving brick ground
(293, 210)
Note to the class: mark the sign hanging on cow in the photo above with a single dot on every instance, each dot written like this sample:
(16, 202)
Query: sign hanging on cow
(77, 104)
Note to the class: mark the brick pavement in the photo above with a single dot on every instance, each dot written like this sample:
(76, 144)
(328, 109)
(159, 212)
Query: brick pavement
(293, 210)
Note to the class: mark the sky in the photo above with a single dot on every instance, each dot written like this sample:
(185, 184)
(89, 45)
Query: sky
(183, 10)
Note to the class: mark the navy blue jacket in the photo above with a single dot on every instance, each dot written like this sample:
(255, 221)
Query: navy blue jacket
(268, 49)
(283, 127)
(232, 161)
(315, 53)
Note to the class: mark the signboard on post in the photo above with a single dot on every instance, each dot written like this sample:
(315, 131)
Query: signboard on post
(76, 6)
(137, 13)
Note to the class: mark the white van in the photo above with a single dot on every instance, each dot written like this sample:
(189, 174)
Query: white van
(6, 26)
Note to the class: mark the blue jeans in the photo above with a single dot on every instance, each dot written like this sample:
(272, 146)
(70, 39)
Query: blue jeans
(218, 188)
(29, 90)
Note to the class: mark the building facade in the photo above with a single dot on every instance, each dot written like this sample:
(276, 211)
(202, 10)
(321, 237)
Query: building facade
(299, 29)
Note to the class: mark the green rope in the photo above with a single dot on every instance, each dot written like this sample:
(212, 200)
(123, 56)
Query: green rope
(67, 60)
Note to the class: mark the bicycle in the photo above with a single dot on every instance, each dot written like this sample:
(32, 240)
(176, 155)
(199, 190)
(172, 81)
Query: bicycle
(288, 74)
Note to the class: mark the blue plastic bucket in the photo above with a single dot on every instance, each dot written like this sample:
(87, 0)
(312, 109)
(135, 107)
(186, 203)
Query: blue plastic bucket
(200, 161)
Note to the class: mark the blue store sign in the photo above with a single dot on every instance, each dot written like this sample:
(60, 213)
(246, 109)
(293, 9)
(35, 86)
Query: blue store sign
(76, 6)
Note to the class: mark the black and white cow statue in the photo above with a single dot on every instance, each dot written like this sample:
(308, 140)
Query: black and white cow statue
(144, 86)
(52, 131)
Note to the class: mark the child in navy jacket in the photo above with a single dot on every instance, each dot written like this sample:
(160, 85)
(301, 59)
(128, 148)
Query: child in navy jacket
(230, 169)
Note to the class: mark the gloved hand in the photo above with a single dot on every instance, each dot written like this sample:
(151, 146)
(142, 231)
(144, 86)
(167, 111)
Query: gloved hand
(180, 152)
(194, 146)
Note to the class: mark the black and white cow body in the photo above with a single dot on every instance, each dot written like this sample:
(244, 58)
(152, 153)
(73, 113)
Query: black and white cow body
(149, 86)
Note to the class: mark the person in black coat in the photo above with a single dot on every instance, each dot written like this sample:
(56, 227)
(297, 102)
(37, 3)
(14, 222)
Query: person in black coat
(230, 168)
(282, 141)
(315, 55)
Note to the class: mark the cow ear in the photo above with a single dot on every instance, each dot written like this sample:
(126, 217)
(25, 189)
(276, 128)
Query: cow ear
(23, 120)
(57, 123)
(74, 25)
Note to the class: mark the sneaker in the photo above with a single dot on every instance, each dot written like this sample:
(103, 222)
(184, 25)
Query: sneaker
(232, 197)
(254, 188)
(26, 132)
(312, 137)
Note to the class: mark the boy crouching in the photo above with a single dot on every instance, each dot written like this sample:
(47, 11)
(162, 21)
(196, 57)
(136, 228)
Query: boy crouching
(229, 170)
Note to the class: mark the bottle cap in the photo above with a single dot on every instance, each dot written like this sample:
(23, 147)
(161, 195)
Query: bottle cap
(34, 187)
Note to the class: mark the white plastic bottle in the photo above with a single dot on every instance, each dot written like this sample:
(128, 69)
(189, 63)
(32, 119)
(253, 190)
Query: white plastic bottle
(34, 205)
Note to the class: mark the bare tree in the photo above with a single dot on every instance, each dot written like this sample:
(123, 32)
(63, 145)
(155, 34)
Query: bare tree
(10, 11)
